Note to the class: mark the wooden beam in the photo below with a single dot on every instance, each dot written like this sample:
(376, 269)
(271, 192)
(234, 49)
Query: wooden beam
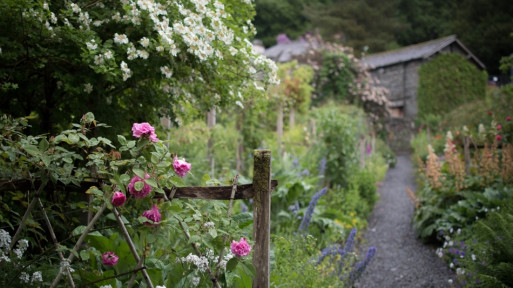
(262, 217)
(212, 192)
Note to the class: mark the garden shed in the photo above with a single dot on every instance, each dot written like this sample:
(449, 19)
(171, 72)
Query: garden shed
(397, 70)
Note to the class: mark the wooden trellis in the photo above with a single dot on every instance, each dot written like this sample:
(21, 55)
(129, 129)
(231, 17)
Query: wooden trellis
(260, 191)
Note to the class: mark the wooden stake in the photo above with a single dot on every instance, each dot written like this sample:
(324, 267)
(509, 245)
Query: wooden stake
(262, 217)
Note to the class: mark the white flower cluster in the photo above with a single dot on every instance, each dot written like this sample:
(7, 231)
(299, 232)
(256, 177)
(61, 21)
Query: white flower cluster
(65, 266)
(200, 262)
(222, 264)
(21, 247)
(209, 225)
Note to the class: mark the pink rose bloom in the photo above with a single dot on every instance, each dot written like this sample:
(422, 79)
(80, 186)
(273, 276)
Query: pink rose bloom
(241, 248)
(499, 127)
(144, 191)
(181, 167)
(154, 215)
(498, 137)
(508, 118)
(142, 129)
(118, 199)
(109, 259)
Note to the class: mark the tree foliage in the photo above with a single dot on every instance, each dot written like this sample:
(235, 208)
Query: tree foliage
(448, 82)
(125, 60)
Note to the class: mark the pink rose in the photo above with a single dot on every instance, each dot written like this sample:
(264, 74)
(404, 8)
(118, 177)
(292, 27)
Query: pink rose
(118, 199)
(241, 248)
(144, 191)
(181, 167)
(109, 259)
(499, 127)
(154, 215)
(498, 137)
(142, 129)
(508, 118)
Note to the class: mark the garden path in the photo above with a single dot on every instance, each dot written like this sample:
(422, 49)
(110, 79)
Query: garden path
(402, 260)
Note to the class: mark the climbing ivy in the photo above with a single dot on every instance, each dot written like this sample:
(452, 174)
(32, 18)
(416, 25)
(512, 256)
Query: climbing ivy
(448, 82)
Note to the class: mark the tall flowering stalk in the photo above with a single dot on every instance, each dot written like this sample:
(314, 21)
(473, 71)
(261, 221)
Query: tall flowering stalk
(433, 169)
(305, 223)
(454, 162)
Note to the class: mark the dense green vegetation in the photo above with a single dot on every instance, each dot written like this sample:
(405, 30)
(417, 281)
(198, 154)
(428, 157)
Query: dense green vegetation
(448, 82)
(383, 25)
(465, 167)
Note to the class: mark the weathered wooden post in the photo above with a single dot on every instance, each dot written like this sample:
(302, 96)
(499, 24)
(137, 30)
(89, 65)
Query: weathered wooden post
(261, 217)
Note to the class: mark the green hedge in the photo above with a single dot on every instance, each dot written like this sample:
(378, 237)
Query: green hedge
(448, 82)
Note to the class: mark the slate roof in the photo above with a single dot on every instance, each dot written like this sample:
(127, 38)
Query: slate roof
(286, 51)
(418, 51)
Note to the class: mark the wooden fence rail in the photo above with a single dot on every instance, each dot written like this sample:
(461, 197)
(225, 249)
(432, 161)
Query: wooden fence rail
(260, 191)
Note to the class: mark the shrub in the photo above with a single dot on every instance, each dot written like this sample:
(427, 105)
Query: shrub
(447, 82)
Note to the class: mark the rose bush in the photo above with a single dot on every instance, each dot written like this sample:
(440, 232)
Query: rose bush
(162, 231)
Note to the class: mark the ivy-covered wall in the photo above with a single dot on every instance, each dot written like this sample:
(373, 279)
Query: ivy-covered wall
(448, 82)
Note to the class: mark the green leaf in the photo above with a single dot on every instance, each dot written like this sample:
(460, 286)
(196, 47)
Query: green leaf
(151, 182)
(124, 178)
(194, 239)
(89, 117)
(79, 230)
(59, 138)
(31, 149)
(43, 145)
(243, 219)
(139, 173)
(73, 138)
(150, 238)
(84, 255)
(121, 139)
(232, 263)
(138, 185)
(212, 232)
(130, 144)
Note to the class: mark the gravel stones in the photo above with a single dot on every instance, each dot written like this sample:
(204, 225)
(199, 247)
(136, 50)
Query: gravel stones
(402, 259)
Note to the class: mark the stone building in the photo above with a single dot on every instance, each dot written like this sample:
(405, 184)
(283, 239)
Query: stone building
(397, 70)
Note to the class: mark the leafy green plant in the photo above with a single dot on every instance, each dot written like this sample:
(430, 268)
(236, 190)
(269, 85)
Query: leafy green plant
(447, 82)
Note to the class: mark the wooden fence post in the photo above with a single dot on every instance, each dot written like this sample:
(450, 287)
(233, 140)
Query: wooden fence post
(261, 217)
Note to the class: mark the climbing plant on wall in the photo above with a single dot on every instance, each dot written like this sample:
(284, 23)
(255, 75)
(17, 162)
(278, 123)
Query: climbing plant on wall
(448, 82)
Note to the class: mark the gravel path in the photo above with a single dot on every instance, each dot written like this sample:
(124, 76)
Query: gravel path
(401, 260)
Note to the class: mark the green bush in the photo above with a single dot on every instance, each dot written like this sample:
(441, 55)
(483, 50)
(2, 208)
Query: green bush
(448, 82)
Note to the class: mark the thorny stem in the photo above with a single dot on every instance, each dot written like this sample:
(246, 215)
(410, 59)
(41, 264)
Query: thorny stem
(79, 242)
(132, 246)
(54, 239)
(234, 189)
(27, 213)
(194, 246)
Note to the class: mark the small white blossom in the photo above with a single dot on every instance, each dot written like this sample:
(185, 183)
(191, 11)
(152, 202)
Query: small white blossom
(195, 281)
(5, 238)
(473, 257)
(97, 23)
(24, 277)
(451, 265)
(120, 38)
(460, 271)
(108, 54)
(233, 51)
(143, 54)
(88, 88)
(200, 262)
(159, 48)
(106, 286)
(209, 225)
(144, 42)
(166, 71)
(37, 277)
(98, 59)
(450, 281)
